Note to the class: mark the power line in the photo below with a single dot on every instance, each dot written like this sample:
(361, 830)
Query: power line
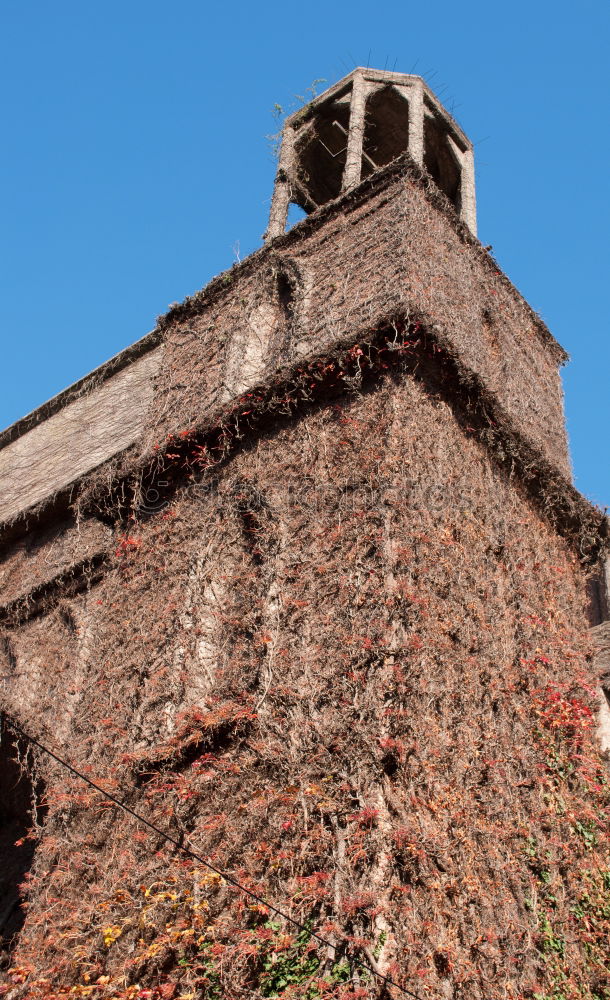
(186, 850)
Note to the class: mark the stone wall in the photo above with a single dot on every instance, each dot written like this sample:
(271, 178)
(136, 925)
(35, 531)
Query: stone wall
(77, 438)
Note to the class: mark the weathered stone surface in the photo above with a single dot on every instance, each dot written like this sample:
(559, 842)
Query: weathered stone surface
(76, 439)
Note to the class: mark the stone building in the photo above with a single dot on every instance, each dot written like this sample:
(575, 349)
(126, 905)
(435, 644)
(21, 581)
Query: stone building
(301, 579)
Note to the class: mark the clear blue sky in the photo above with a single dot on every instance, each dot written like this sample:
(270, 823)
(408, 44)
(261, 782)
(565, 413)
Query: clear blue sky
(135, 163)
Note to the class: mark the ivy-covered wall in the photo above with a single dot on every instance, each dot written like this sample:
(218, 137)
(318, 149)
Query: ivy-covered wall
(349, 665)
(328, 631)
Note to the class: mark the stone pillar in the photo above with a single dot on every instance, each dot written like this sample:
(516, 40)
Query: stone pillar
(416, 122)
(283, 188)
(353, 160)
(468, 208)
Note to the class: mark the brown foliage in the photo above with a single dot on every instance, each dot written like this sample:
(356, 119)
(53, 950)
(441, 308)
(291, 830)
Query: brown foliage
(348, 665)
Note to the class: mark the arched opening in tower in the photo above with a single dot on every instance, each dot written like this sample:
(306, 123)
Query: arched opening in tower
(386, 129)
(439, 159)
(321, 155)
(19, 806)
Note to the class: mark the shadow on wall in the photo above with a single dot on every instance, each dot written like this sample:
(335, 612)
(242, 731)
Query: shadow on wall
(18, 800)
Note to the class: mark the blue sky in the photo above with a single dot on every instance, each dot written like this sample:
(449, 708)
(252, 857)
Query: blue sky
(136, 164)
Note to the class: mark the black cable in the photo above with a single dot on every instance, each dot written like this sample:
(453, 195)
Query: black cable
(197, 857)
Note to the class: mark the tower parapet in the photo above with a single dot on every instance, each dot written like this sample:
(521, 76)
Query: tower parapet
(360, 124)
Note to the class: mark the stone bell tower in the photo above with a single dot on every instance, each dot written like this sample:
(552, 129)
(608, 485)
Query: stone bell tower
(360, 124)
